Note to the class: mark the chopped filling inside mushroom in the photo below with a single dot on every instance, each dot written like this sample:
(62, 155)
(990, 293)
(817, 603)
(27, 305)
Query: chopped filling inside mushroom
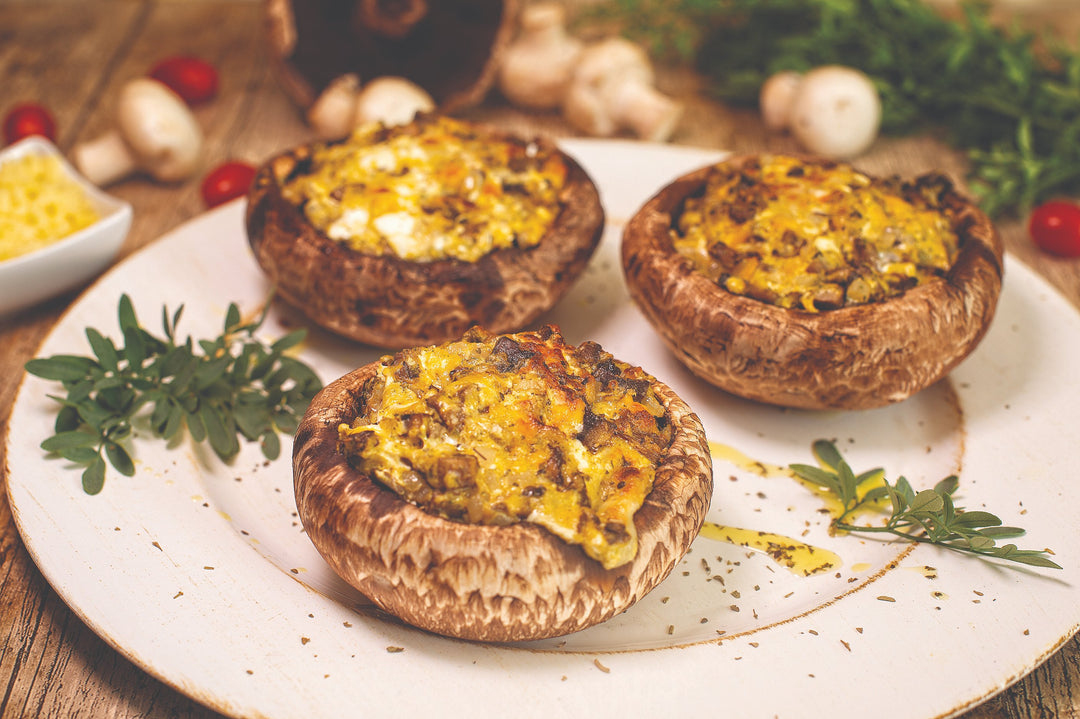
(433, 189)
(502, 429)
(817, 235)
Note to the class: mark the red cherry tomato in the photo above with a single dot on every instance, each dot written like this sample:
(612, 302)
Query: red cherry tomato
(1055, 228)
(227, 182)
(28, 119)
(193, 79)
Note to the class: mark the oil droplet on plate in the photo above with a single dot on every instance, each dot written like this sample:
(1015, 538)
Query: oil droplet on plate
(799, 557)
(722, 452)
(928, 572)
(831, 502)
(742, 461)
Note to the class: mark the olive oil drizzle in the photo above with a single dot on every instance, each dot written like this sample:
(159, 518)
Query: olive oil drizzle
(928, 516)
(763, 469)
(725, 453)
(797, 556)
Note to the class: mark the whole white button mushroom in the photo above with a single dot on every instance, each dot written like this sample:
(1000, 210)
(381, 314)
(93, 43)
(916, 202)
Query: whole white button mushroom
(391, 100)
(612, 89)
(345, 104)
(333, 114)
(154, 132)
(775, 99)
(835, 112)
(536, 69)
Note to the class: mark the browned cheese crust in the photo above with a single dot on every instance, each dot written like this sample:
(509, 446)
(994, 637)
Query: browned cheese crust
(854, 357)
(390, 302)
(487, 583)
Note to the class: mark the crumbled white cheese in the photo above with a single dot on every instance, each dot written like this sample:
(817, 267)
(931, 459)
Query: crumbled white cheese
(397, 229)
(353, 222)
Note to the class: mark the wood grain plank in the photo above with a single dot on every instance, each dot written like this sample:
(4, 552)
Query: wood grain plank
(74, 61)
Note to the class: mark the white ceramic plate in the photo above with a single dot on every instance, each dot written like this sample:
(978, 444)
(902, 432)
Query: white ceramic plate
(200, 572)
(72, 261)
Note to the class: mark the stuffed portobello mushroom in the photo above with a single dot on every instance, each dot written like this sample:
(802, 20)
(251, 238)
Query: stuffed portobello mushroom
(501, 487)
(803, 282)
(409, 235)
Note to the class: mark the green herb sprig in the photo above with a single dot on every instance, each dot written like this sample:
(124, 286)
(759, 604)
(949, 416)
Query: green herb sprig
(927, 516)
(1007, 98)
(221, 389)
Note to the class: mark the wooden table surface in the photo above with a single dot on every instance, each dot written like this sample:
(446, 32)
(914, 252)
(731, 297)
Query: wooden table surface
(73, 56)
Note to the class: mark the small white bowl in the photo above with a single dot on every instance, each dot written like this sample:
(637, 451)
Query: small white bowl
(72, 261)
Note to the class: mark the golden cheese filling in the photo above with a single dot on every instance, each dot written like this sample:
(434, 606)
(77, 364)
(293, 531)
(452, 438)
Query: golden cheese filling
(498, 429)
(817, 235)
(434, 189)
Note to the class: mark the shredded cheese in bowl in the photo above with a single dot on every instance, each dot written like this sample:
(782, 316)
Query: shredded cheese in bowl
(39, 204)
(57, 230)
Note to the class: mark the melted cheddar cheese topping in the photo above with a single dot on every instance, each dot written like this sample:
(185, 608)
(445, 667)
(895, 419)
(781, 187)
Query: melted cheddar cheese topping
(502, 429)
(434, 189)
(816, 235)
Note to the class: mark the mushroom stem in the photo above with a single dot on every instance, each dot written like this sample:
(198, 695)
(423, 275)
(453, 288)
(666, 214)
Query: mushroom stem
(155, 132)
(332, 116)
(644, 110)
(537, 67)
(612, 89)
(105, 159)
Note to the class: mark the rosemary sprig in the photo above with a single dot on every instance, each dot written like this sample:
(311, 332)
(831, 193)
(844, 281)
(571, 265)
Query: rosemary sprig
(221, 389)
(1009, 99)
(928, 516)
